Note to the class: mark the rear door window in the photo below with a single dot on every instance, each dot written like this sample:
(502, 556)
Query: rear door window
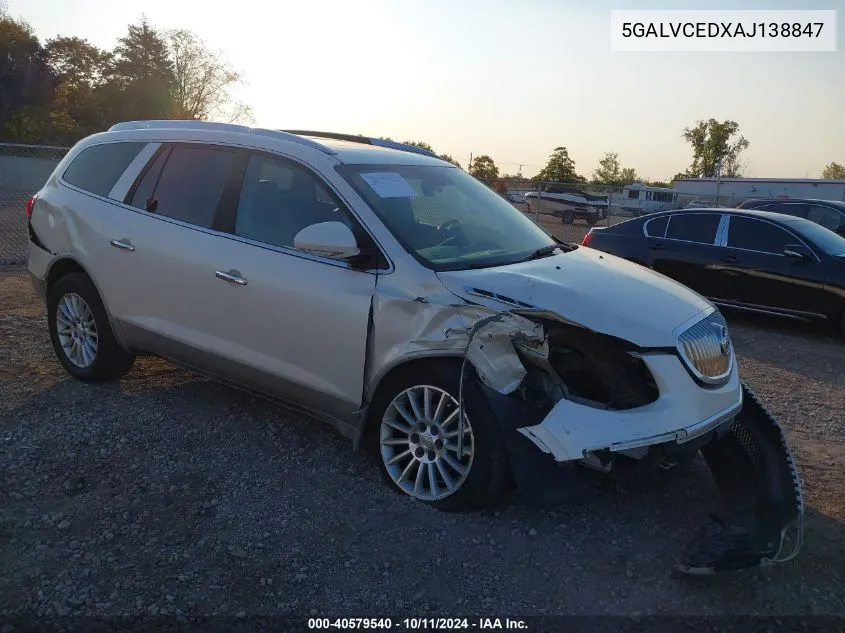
(97, 168)
(694, 227)
(186, 184)
(752, 234)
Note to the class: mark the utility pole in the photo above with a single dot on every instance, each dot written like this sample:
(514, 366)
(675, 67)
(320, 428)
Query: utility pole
(469, 166)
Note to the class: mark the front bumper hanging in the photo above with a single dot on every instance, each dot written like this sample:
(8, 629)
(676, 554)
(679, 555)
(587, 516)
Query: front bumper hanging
(762, 503)
(761, 517)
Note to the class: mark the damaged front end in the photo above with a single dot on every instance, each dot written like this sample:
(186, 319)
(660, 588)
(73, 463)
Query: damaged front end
(585, 398)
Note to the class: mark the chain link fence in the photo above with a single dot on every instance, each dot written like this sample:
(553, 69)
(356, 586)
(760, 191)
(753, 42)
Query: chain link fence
(23, 171)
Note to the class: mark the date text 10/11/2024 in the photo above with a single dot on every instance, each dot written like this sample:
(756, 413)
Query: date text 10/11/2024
(413, 624)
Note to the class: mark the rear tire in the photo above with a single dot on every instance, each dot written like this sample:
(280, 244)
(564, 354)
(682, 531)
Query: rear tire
(416, 441)
(81, 334)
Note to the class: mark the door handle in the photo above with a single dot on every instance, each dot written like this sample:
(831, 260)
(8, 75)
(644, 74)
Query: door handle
(730, 259)
(124, 245)
(656, 247)
(233, 277)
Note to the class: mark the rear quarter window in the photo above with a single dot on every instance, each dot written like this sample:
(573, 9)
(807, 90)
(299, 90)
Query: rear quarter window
(97, 168)
(656, 227)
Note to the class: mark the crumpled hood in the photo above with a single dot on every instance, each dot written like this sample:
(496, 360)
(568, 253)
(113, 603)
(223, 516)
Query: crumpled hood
(597, 290)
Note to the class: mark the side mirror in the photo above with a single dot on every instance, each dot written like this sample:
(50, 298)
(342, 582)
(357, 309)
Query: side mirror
(841, 230)
(327, 239)
(797, 251)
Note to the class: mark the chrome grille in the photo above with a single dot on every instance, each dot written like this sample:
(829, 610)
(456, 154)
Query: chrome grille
(707, 349)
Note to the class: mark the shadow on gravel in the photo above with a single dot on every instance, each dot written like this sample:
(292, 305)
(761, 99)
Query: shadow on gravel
(168, 491)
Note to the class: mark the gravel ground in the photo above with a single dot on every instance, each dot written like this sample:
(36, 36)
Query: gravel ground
(168, 493)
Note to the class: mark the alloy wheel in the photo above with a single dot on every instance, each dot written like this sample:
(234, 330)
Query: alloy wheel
(419, 443)
(77, 330)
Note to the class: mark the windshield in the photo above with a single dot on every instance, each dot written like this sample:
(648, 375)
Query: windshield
(830, 242)
(444, 217)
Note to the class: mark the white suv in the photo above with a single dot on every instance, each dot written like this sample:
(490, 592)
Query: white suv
(408, 305)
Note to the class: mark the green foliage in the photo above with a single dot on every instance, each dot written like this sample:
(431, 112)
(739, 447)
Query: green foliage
(609, 172)
(713, 149)
(483, 168)
(834, 171)
(426, 146)
(70, 88)
(559, 168)
(26, 82)
(420, 144)
(628, 176)
(448, 158)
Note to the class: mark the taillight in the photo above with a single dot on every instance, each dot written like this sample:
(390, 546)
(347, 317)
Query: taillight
(587, 238)
(29, 205)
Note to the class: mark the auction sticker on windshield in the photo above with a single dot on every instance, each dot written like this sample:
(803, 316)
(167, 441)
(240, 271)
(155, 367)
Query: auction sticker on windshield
(389, 184)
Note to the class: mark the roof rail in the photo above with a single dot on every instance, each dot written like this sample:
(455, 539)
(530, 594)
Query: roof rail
(179, 124)
(356, 138)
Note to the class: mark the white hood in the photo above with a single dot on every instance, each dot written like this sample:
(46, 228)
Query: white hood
(599, 291)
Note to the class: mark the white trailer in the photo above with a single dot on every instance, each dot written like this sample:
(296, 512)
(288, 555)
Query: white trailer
(732, 191)
(640, 199)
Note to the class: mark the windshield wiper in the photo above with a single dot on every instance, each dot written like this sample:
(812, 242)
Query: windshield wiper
(542, 252)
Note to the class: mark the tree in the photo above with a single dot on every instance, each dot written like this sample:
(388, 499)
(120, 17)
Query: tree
(143, 54)
(714, 151)
(420, 144)
(448, 158)
(202, 79)
(659, 183)
(834, 171)
(559, 168)
(81, 69)
(627, 176)
(142, 84)
(26, 82)
(608, 170)
(483, 168)
(76, 62)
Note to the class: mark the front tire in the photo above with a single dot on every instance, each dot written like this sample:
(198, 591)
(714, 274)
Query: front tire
(416, 422)
(81, 334)
(568, 217)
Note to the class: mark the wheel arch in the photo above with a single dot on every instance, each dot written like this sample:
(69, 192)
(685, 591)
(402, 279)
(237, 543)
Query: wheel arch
(418, 363)
(67, 265)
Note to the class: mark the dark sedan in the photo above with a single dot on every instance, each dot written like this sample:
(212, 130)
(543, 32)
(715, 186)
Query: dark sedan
(829, 213)
(752, 260)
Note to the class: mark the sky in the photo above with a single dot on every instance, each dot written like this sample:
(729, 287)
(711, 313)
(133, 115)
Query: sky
(509, 78)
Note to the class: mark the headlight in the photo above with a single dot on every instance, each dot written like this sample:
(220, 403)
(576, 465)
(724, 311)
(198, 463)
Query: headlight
(707, 349)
